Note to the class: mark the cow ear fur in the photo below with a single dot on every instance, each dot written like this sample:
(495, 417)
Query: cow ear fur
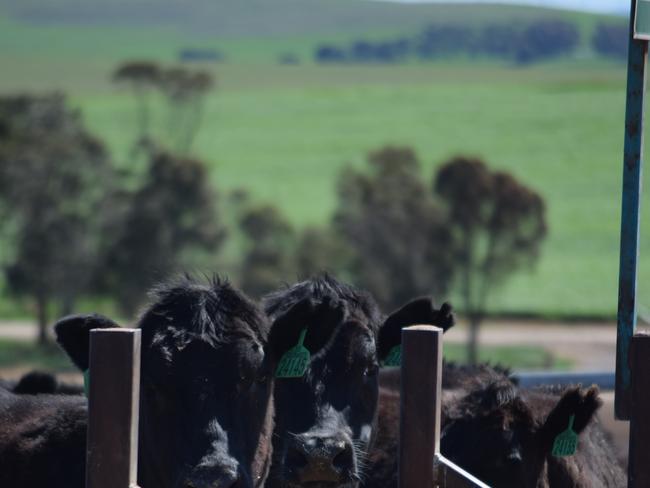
(73, 335)
(420, 311)
(582, 404)
(320, 318)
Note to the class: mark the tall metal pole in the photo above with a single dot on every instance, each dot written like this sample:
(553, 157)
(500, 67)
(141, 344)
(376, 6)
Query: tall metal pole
(632, 164)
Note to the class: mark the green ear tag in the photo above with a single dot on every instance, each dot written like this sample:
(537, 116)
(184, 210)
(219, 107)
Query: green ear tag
(394, 357)
(87, 382)
(295, 361)
(565, 443)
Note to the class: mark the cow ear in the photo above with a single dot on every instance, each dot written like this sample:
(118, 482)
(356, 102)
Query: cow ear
(420, 311)
(575, 409)
(318, 319)
(73, 335)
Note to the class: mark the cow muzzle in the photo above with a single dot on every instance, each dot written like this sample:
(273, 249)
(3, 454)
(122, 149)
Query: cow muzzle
(315, 460)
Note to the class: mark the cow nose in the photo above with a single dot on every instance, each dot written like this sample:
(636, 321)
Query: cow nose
(320, 459)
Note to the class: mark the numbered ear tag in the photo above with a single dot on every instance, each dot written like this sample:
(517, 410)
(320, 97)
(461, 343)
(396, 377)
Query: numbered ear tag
(87, 382)
(566, 443)
(295, 361)
(394, 357)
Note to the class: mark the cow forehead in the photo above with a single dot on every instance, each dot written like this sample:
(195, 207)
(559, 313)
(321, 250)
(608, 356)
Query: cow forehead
(200, 354)
(353, 340)
(361, 318)
(354, 331)
(508, 419)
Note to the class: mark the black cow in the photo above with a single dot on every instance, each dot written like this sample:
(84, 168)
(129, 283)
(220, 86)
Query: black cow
(504, 436)
(454, 375)
(205, 406)
(325, 419)
(39, 382)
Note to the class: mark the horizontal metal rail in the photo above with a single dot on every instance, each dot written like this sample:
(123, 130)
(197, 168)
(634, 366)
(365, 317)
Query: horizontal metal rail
(605, 380)
(451, 475)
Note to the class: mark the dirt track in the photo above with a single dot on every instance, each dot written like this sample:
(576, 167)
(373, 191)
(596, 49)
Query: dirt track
(590, 346)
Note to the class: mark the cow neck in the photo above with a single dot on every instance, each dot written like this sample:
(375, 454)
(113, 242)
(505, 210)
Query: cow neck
(153, 467)
(265, 442)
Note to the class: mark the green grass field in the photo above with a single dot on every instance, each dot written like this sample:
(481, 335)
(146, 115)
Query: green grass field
(27, 355)
(284, 132)
(514, 357)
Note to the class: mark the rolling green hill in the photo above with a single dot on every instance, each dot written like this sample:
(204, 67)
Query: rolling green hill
(246, 31)
(267, 18)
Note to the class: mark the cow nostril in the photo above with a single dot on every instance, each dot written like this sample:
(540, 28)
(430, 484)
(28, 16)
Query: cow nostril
(344, 459)
(513, 462)
(296, 458)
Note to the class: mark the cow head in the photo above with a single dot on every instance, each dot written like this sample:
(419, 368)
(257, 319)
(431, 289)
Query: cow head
(505, 437)
(325, 417)
(206, 386)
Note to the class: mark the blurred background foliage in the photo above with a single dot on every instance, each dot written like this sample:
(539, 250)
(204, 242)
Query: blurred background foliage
(268, 141)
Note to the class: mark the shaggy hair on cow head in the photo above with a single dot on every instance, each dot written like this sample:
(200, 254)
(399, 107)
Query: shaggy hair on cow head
(496, 398)
(323, 288)
(207, 311)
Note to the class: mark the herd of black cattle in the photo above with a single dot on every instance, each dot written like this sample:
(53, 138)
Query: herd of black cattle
(213, 414)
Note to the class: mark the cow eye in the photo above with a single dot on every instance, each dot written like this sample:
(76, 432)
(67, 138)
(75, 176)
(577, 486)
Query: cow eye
(371, 370)
(243, 385)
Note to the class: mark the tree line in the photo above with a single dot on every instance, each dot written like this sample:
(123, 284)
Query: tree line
(517, 43)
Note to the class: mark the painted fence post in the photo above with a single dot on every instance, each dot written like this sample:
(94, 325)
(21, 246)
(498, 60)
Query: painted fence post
(420, 405)
(632, 164)
(113, 409)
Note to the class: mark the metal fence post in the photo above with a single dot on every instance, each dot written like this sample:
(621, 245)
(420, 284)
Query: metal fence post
(639, 457)
(113, 402)
(632, 164)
